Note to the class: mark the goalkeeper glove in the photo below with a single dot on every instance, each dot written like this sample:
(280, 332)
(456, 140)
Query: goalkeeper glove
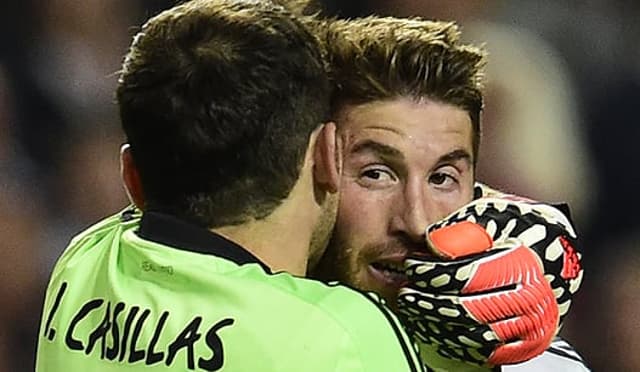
(505, 304)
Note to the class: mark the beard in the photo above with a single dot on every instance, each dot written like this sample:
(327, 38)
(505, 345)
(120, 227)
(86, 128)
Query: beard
(322, 232)
(336, 262)
(348, 263)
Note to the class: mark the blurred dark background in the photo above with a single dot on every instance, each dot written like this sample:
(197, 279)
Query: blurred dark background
(561, 123)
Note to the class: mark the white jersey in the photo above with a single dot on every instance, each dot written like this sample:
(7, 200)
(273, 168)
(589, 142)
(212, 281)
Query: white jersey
(560, 356)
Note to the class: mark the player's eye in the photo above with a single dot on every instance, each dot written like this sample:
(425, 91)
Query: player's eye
(376, 174)
(379, 176)
(443, 180)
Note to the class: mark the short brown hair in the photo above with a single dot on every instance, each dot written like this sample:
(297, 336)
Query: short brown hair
(218, 99)
(376, 58)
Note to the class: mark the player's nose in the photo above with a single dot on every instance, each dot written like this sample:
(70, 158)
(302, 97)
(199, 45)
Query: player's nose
(412, 214)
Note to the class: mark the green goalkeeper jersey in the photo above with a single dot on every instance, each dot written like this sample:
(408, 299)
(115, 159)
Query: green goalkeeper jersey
(158, 294)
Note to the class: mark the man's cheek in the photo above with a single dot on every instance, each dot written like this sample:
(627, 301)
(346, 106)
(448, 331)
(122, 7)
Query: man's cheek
(362, 209)
(352, 217)
(448, 205)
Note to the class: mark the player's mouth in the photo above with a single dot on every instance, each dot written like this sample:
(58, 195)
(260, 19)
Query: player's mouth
(389, 272)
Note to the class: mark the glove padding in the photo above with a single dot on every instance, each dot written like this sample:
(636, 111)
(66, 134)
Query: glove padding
(503, 305)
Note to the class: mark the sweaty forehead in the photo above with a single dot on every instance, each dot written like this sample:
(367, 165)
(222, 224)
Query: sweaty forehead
(406, 123)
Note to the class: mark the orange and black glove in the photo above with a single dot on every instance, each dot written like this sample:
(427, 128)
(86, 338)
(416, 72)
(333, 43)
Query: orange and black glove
(496, 282)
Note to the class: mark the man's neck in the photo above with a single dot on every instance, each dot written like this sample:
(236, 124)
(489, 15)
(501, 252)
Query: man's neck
(281, 240)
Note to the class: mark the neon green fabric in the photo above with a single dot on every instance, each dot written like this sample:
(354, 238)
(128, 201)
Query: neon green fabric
(117, 302)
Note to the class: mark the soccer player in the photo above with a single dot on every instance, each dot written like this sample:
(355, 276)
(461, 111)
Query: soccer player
(234, 178)
(407, 102)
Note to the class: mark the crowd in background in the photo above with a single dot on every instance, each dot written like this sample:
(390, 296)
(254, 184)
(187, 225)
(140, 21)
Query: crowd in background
(560, 124)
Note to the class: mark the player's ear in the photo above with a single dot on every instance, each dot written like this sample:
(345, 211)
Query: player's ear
(131, 177)
(327, 158)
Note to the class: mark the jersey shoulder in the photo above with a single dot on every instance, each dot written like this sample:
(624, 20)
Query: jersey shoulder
(102, 233)
(365, 320)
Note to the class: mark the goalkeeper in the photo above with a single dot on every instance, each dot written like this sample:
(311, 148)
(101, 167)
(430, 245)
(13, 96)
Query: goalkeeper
(485, 293)
(222, 102)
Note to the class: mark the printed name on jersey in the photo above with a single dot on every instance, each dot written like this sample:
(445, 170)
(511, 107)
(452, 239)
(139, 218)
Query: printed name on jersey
(117, 336)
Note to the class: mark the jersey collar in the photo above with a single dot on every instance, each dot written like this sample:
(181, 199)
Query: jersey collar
(168, 230)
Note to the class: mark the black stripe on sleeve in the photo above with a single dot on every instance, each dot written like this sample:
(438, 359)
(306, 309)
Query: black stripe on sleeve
(567, 355)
